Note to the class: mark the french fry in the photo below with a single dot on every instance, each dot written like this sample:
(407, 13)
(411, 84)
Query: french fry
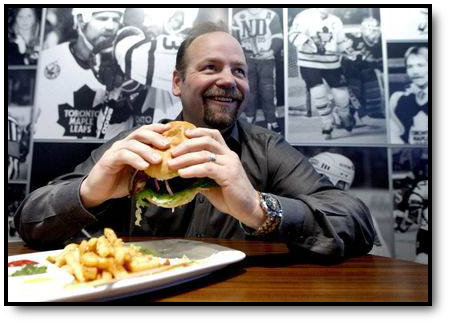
(51, 259)
(90, 259)
(76, 266)
(83, 247)
(92, 244)
(144, 262)
(61, 259)
(106, 275)
(104, 248)
(110, 235)
(90, 273)
(103, 263)
(102, 259)
(71, 247)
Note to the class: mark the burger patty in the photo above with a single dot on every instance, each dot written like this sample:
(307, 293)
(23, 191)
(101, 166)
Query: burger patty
(175, 185)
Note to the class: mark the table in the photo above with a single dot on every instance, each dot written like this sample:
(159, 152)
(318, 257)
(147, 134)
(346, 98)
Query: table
(268, 274)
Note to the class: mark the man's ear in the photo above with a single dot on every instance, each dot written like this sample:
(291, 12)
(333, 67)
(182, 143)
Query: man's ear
(176, 83)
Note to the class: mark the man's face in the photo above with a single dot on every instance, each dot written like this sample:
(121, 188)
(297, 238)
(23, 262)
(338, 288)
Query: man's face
(417, 69)
(102, 28)
(215, 88)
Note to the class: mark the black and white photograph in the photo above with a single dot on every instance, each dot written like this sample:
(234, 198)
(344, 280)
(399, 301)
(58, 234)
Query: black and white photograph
(364, 173)
(410, 184)
(20, 103)
(337, 93)
(106, 91)
(260, 32)
(412, 26)
(14, 196)
(24, 35)
(408, 92)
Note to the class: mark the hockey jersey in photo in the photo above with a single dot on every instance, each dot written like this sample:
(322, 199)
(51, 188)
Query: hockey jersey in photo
(152, 62)
(410, 119)
(319, 41)
(255, 29)
(70, 100)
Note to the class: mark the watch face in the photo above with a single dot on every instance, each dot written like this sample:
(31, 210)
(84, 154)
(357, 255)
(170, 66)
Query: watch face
(271, 202)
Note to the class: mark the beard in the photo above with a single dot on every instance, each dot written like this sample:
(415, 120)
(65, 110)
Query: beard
(220, 116)
(102, 42)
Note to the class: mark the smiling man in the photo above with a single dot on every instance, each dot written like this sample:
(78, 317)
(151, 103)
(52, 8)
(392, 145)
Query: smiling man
(409, 123)
(266, 188)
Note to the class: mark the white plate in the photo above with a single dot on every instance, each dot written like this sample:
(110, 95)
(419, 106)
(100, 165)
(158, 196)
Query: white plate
(51, 285)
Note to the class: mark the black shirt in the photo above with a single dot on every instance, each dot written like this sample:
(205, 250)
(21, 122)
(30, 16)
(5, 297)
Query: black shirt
(317, 220)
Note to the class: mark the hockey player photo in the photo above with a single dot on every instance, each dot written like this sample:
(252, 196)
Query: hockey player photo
(260, 32)
(79, 94)
(339, 79)
(408, 87)
(410, 183)
(20, 101)
(353, 169)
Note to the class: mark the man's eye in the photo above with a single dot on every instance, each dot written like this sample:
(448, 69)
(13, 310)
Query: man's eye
(241, 72)
(210, 67)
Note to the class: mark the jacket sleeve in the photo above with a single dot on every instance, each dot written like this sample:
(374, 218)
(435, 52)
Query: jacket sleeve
(319, 220)
(51, 215)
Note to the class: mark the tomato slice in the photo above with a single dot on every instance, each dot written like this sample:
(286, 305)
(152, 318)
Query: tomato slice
(19, 263)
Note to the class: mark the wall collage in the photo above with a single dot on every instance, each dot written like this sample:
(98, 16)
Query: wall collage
(348, 87)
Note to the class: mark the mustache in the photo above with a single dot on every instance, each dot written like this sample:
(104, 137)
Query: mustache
(232, 93)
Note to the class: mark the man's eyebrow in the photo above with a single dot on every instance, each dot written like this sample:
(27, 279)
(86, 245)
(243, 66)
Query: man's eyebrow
(216, 60)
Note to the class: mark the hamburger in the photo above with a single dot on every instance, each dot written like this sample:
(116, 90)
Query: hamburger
(159, 185)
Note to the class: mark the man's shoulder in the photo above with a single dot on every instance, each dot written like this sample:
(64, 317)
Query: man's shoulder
(257, 133)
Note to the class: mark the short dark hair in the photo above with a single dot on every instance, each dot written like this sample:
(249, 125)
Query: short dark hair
(416, 50)
(195, 32)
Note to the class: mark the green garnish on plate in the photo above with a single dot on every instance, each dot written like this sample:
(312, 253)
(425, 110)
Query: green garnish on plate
(29, 269)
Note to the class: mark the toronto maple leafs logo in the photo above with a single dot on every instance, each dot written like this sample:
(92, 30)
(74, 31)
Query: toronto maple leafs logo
(52, 70)
(81, 119)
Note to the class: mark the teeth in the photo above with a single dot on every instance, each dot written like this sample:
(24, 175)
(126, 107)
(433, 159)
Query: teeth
(223, 99)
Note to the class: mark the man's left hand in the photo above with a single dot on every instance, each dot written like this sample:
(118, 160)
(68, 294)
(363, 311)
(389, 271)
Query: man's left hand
(235, 196)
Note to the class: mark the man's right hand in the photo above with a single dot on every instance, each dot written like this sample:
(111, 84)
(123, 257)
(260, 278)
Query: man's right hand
(110, 176)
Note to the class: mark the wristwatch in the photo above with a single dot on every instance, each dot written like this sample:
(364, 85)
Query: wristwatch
(272, 209)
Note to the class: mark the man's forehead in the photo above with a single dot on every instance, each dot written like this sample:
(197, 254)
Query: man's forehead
(217, 41)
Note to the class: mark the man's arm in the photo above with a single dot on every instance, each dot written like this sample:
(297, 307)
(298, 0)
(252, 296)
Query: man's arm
(318, 220)
(54, 213)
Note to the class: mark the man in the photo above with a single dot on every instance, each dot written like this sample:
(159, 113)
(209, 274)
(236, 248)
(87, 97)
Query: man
(260, 34)
(362, 66)
(320, 41)
(264, 183)
(409, 123)
(80, 93)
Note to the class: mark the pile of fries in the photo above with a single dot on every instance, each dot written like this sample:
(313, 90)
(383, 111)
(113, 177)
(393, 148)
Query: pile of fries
(105, 258)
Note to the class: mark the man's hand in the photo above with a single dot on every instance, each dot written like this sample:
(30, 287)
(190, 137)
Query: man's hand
(110, 176)
(235, 195)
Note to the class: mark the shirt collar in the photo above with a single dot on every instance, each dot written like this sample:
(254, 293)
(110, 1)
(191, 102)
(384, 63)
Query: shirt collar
(230, 134)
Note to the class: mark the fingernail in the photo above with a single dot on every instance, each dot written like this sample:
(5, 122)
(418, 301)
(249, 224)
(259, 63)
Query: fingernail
(144, 165)
(156, 156)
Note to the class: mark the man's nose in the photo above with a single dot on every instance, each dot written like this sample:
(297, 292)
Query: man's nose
(110, 24)
(226, 79)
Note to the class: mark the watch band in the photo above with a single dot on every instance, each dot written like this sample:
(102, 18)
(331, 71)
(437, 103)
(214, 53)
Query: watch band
(272, 210)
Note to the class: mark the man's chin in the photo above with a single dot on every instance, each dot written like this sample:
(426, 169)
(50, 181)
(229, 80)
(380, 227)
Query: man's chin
(219, 121)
